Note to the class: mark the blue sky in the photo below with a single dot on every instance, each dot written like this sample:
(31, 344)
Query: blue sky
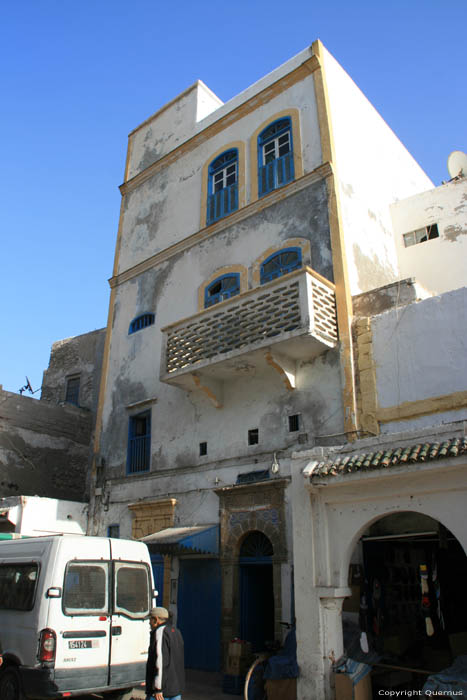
(77, 77)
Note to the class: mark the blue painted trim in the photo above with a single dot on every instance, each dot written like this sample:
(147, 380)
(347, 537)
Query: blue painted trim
(140, 322)
(275, 174)
(223, 294)
(139, 447)
(282, 269)
(225, 201)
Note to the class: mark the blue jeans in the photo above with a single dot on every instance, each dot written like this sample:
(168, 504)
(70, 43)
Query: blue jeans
(174, 697)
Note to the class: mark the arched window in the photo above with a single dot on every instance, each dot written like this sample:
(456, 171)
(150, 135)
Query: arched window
(222, 186)
(141, 322)
(256, 546)
(222, 288)
(275, 156)
(280, 263)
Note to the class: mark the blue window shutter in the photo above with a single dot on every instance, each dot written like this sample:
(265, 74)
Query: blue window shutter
(140, 322)
(280, 170)
(280, 263)
(222, 199)
(139, 443)
(222, 288)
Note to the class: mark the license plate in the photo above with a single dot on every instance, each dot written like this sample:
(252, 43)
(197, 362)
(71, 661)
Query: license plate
(83, 644)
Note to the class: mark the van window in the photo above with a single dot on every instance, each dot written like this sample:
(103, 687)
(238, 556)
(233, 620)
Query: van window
(18, 586)
(85, 589)
(132, 589)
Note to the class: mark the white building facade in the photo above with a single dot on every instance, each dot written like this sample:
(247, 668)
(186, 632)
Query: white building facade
(245, 230)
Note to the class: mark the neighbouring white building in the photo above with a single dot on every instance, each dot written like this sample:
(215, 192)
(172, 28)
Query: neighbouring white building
(33, 516)
(250, 235)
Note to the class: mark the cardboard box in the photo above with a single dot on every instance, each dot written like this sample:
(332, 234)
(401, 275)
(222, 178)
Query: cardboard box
(282, 689)
(345, 691)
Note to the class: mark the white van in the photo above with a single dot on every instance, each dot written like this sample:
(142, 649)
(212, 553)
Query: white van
(73, 616)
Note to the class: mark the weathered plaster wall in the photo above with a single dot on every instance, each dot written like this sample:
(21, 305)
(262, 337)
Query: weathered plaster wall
(44, 449)
(441, 263)
(153, 219)
(170, 126)
(373, 170)
(419, 356)
(80, 355)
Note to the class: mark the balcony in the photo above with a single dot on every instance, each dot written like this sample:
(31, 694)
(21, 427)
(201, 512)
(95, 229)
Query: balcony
(273, 326)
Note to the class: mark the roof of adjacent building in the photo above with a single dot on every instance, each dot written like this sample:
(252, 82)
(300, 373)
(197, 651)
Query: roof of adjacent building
(388, 458)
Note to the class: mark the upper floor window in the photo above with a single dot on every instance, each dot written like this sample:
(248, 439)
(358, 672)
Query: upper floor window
(221, 288)
(421, 235)
(280, 263)
(72, 390)
(141, 322)
(139, 443)
(275, 156)
(222, 186)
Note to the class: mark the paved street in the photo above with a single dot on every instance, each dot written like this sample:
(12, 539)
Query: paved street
(201, 685)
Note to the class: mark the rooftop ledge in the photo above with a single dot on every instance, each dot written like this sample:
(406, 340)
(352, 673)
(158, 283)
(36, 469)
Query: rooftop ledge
(270, 327)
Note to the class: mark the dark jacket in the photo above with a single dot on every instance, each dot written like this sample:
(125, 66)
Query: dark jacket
(165, 668)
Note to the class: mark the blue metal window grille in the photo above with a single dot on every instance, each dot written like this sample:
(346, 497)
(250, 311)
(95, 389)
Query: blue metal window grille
(222, 288)
(139, 443)
(222, 186)
(72, 390)
(280, 263)
(141, 322)
(275, 156)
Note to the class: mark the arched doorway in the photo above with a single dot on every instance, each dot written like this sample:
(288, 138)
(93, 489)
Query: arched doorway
(408, 602)
(256, 590)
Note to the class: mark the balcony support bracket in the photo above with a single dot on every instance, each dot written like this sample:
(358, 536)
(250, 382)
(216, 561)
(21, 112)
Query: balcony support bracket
(284, 366)
(211, 388)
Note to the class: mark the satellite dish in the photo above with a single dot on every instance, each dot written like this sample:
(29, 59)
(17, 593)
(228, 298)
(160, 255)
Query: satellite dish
(457, 164)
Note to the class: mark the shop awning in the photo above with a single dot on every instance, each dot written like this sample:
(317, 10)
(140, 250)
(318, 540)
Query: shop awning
(193, 539)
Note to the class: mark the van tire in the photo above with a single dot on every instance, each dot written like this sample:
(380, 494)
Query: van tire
(10, 684)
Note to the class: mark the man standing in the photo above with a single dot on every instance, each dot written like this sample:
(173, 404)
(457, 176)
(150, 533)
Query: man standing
(165, 670)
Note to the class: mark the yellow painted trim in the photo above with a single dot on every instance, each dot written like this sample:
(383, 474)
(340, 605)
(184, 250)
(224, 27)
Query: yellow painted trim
(241, 169)
(223, 271)
(341, 277)
(294, 115)
(129, 152)
(251, 105)
(423, 407)
(316, 175)
(301, 243)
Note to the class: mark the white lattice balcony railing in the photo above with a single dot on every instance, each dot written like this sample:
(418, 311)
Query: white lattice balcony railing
(293, 317)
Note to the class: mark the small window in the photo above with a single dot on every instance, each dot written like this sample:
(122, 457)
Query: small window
(72, 390)
(141, 322)
(132, 593)
(275, 156)
(139, 443)
(203, 449)
(18, 586)
(113, 531)
(222, 186)
(421, 235)
(222, 288)
(253, 436)
(280, 263)
(85, 589)
(294, 423)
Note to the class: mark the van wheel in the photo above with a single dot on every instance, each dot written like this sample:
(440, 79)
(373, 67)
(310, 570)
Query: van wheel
(10, 685)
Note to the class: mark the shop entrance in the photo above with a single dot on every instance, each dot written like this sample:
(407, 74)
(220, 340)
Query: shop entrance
(408, 602)
(256, 590)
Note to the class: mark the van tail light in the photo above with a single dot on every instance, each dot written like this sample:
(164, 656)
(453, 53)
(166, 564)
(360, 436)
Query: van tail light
(47, 646)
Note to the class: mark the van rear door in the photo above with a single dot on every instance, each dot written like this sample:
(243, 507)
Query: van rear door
(132, 600)
(83, 624)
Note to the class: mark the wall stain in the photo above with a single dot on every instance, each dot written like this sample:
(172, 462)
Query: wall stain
(452, 233)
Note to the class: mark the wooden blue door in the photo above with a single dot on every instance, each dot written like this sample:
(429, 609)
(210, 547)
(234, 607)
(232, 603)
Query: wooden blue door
(157, 561)
(199, 611)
